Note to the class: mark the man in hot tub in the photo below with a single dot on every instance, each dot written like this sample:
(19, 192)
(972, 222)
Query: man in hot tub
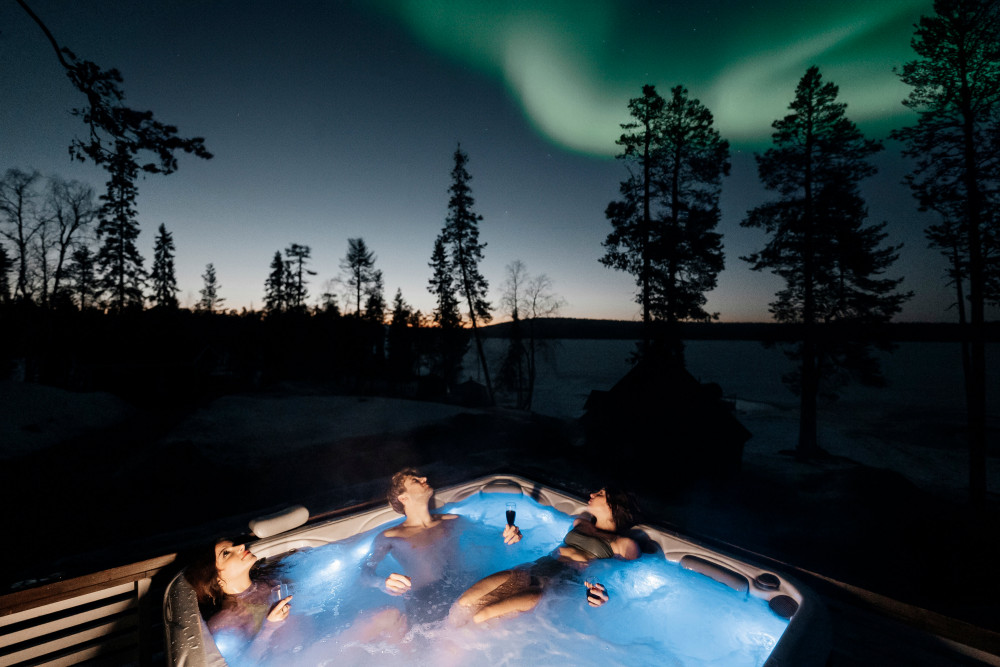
(426, 547)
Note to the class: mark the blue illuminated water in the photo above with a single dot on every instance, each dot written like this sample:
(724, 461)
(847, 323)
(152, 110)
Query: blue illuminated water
(658, 613)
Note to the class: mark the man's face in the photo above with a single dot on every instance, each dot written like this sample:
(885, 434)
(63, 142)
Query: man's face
(415, 489)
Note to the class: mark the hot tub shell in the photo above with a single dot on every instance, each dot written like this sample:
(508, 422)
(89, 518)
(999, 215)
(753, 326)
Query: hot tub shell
(805, 641)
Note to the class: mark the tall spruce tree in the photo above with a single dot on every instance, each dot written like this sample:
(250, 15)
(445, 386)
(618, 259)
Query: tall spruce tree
(296, 292)
(5, 266)
(663, 227)
(449, 340)
(359, 265)
(83, 278)
(401, 339)
(830, 262)
(210, 299)
(461, 237)
(119, 263)
(375, 299)
(955, 145)
(163, 275)
(275, 296)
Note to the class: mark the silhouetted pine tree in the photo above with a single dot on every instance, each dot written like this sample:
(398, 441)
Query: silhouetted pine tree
(663, 228)
(275, 298)
(956, 146)
(296, 257)
(375, 299)
(119, 263)
(461, 237)
(449, 340)
(830, 262)
(630, 243)
(359, 265)
(163, 275)
(5, 266)
(82, 277)
(402, 353)
(210, 299)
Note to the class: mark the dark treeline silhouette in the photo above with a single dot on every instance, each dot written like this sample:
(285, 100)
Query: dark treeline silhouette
(178, 357)
(956, 148)
(833, 263)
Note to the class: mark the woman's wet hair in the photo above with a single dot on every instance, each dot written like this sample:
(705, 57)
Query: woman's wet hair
(624, 509)
(203, 575)
(397, 485)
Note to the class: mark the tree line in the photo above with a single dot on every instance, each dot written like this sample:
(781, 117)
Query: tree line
(834, 263)
(55, 220)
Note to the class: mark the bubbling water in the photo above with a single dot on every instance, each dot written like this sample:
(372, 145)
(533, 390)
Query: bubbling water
(658, 613)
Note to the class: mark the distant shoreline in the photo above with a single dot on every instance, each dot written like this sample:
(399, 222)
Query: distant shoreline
(576, 328)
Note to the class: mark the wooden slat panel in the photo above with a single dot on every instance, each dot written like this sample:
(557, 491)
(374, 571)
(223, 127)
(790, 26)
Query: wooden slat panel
(67, 603)
(117, 650)
(55, 644)
(66, 622)
(42, 595)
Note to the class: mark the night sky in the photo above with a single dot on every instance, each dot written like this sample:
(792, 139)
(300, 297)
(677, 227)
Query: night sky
(331, 120)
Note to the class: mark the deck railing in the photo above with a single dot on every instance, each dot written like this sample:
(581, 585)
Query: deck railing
(109, 617)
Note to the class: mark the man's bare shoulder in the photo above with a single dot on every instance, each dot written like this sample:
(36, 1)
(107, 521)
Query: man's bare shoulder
(404, 531)
(395, 531)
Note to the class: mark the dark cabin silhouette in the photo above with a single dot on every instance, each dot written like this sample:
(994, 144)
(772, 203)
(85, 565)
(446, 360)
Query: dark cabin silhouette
(659, 422)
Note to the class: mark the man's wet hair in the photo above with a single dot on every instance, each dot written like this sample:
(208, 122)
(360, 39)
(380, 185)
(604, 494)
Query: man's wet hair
(397, 485)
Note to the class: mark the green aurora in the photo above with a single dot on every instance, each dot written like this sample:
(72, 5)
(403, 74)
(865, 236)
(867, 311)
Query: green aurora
(573, 64)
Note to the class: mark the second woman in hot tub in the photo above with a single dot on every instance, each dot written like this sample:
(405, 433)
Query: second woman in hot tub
(598, 536)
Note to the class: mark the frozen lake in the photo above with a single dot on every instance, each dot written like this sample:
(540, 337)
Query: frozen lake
(919, 374)
(914, 425)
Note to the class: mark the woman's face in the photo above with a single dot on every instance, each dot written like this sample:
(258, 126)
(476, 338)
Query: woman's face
(598, 505)
(232, 561)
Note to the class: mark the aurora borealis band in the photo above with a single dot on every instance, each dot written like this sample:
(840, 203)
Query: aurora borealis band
(570, 64)
(336, 120)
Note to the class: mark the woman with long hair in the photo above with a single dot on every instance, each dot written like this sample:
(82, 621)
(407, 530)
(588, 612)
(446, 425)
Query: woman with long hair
(235, 594)
(599, 535)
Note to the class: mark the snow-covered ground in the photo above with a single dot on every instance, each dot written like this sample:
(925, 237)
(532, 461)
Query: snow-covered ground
(913, 426)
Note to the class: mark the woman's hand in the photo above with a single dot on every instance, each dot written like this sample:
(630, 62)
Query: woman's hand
(511, 535)
(397, 584)
(281, 610)
(597, 595)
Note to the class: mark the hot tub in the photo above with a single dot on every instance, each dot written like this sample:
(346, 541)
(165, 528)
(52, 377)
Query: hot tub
(680, 604)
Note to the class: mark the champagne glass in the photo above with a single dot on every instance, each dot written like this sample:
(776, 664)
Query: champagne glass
(511, 512)
(279, 592)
